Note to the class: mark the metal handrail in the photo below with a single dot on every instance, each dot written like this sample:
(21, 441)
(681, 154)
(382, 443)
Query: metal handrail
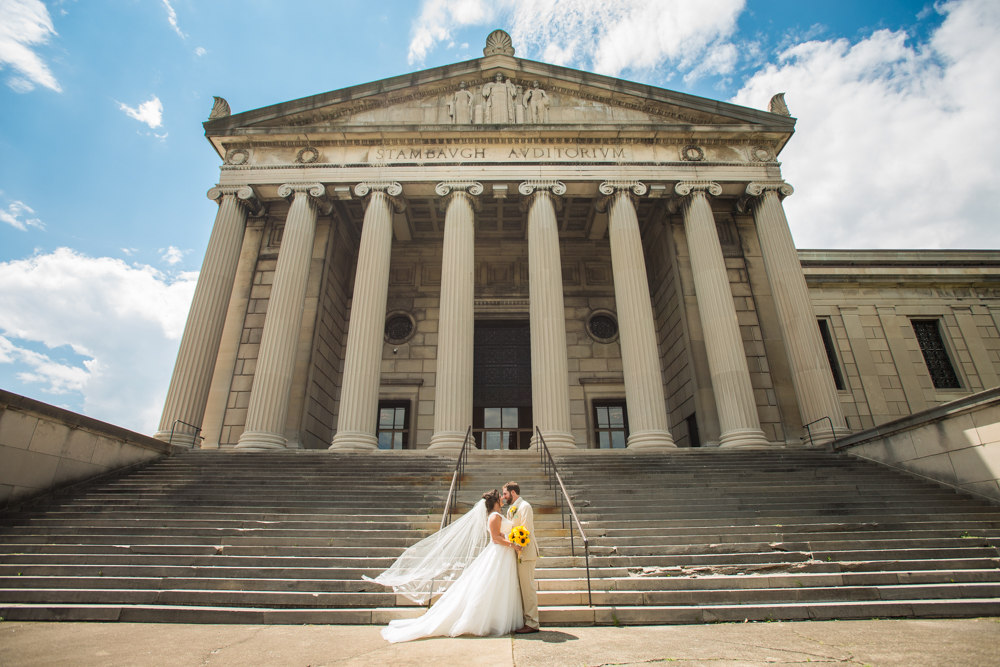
(549, 465)
(456, 481)
(197, 430)
(816, 421)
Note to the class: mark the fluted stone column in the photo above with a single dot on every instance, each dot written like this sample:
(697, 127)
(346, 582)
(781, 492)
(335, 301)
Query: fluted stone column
(192, 376)
(727, 362)
(456, 324)
(807, 359)
(272, 381)
(649, 427)
(362, 363)
(549, 373)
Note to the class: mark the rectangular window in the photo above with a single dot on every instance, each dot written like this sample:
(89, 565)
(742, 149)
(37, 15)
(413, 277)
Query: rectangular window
(611, 424)
(831, 354)
(935, 354)
(502, 427)
(393, 418)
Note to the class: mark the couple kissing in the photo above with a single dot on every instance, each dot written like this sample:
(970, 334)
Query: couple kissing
(486, 581)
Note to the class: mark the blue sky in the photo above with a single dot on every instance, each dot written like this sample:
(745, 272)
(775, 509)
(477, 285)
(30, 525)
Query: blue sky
(104, 165)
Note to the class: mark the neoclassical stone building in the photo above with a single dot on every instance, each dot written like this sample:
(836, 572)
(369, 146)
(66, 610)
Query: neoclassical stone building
(502, 243)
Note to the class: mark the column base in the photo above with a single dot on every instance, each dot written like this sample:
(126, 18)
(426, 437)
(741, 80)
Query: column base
(354, 441)
(651, 440)
(178, 439)
(449, 441)
(555, 441)
(744, 438)
(257, 441)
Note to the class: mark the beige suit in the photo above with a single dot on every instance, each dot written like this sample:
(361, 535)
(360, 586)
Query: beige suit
(520, 514)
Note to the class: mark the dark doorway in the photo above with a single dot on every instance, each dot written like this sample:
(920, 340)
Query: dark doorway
(501, 385)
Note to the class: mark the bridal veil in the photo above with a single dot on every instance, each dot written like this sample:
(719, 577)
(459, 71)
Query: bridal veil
(433, 564)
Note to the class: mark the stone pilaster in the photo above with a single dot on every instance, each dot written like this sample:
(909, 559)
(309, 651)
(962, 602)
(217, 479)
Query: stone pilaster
(359, 390)
(272, 382)
(727, 362)
(192, 376)
(456, 326)
(549, 374)
(810, 367)
(647, 413)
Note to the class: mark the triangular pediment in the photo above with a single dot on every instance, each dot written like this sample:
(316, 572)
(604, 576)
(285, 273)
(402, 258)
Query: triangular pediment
(466, 97)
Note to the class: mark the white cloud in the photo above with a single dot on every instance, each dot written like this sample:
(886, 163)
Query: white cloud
(439, 17)
(150, 113)
(129, 251)
(603, 37)
(200, 51)
(172, 17)
(127, 321)
(23, 24)
(12, 216)
(173, 255)
(895, 145)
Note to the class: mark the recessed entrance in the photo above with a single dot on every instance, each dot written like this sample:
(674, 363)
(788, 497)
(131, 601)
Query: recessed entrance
(501, 394)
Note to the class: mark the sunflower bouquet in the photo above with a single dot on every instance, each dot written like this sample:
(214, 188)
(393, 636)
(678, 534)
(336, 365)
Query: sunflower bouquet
(520, 536)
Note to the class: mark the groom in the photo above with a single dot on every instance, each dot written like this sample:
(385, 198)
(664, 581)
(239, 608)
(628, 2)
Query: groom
(519, 514)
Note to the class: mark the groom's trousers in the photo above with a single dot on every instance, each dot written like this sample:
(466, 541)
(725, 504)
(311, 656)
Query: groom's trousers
(529, 597)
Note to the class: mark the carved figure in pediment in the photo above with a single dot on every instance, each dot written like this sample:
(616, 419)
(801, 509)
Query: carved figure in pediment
(536, 101)
(460, 106)
(499, 96)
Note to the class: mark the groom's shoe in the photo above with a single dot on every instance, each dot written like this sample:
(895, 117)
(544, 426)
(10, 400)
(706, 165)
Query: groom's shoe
(525, 630)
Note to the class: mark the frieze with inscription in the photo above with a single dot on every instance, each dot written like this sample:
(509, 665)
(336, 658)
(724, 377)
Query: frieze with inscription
(498, 153)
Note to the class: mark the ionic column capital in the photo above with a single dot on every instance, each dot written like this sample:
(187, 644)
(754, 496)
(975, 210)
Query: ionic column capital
(685, 188)
(758, 188)
(245, 196)
(391, 189)
(448, 190)
(315, 191)
(531, 189)
(528, 188)
(631, 189)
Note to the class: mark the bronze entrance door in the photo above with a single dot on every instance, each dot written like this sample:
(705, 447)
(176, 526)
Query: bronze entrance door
(501, 385)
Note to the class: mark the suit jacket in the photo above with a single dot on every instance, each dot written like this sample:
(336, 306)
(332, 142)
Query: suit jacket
(520, 514)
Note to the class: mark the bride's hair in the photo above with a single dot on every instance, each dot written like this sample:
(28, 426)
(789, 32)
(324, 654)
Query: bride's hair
(492, 499)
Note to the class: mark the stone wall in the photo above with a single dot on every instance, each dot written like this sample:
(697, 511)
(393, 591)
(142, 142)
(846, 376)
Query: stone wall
(870, 298)
(957, 443)
(44, 448)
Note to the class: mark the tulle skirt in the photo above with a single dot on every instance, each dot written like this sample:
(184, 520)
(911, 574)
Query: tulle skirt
(484, 601)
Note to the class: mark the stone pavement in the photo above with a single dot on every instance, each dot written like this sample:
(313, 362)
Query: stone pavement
(878, 643)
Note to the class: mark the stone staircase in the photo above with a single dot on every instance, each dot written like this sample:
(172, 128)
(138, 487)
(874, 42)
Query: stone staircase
(692, 536)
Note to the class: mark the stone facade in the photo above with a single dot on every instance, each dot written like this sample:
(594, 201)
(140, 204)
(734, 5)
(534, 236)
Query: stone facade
(637, 233)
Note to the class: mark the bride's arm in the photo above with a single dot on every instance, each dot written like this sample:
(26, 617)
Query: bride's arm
(498, 537)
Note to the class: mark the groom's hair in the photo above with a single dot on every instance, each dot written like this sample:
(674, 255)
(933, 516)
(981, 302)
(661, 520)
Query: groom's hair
(512, 486)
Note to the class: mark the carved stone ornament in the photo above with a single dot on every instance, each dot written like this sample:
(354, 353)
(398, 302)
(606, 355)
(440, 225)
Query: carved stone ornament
(238, 156)
(528, 187)
(474, 187)
(609, 187)
(500, 99)
(692, 153)
(757, 188)
(460, 106)
(684, 188)
(391, 188)
(244, 194)
(316, 191)
(220, 109)
(499, 43)
(777, 105)
(307, 155)
(761, 154)
(536, 102)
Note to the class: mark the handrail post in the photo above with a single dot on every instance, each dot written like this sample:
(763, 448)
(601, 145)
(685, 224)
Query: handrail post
(565, 503)
(833, 429)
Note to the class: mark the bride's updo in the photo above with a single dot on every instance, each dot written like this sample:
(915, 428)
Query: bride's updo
(492, 499)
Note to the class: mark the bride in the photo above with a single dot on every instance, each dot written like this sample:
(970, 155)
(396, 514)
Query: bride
(475, 566)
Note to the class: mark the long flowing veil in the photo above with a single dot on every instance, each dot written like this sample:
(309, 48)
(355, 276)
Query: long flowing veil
(435, 562)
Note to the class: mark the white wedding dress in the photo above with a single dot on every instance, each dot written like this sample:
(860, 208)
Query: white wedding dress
(484, 600)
